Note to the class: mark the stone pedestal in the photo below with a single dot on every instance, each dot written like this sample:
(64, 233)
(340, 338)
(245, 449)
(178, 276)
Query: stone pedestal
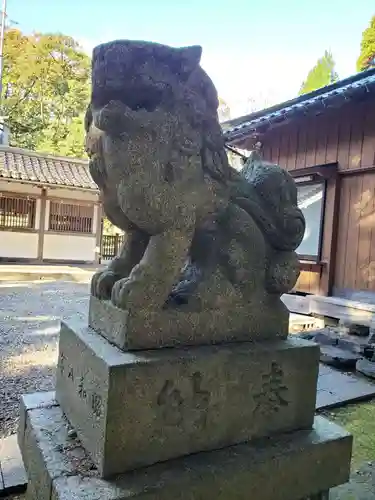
(268, 319)
(136, 409)
(288, 466)
(232, 420)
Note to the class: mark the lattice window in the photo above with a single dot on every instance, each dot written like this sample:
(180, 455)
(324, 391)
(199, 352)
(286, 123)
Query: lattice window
(70, 218)
(17, 212)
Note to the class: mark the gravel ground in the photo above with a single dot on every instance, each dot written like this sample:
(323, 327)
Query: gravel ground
(30, 314)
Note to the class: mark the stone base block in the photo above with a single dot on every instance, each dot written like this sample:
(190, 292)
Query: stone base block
(291, 466)
(168, 328)
(135, 409)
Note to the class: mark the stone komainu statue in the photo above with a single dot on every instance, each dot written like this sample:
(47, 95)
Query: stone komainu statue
(200, 235)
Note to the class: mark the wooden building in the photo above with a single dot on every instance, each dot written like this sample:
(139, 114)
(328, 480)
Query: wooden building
(326, 140)
(49, 208)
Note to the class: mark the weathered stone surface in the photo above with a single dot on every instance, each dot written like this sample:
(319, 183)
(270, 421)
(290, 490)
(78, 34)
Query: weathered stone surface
(338, 389)
(135, 409)
(145, 329)
(201, 237)
(340, 358)
(366, 367)
(354, 329)
(31, 402)
(332, 337)
(12, 471)
(286, 467)
(320, 496)
(371, 338)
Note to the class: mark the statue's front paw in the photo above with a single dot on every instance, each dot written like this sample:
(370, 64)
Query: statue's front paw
(128, 293)
(102, 284)
(123, 293)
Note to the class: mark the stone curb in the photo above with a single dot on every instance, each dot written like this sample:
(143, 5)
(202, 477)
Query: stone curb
(13, 477)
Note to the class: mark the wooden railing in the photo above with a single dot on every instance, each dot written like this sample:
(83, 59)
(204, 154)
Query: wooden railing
(110, 245)
(17, 212)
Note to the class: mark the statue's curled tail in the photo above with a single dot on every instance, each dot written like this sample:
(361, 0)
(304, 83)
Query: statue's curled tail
(270, 197)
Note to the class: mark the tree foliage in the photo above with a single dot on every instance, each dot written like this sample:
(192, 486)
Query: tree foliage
(223, 110)
(45, 92)
(366, 59)
(322, 74)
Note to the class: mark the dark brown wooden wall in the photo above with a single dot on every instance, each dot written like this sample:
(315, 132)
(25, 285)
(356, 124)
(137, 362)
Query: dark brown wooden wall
(346, 136)
(355, 261)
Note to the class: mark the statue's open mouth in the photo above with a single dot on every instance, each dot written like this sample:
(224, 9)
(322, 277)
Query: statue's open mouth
(136, 98)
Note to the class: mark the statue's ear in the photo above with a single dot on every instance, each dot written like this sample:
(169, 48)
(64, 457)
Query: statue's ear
(189, 58)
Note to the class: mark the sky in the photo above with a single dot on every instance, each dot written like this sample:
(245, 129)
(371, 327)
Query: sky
(254, 51)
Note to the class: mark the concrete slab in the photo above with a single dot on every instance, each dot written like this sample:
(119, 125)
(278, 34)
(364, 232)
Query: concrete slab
(13, 476)
(336, 388)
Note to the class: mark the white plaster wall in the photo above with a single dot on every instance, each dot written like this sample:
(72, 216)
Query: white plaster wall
(15, 245)
(69, 247)
(72, 194)
(20, 245)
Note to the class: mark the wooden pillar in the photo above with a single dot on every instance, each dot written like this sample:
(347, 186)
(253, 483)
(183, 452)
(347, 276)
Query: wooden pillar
(42, 224)
(116, 244)
(330, 230)
(98, 233)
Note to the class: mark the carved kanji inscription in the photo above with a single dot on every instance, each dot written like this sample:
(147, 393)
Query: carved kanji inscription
(185, 407)
(273, 393)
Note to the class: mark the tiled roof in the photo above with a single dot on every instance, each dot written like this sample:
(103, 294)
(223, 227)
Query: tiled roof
(350, 88)
(28, 166)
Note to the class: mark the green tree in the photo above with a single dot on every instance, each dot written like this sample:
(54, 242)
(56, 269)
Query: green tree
(366, 59)
(64, 140)
(223, 110)
(45, 91)
(322, 74)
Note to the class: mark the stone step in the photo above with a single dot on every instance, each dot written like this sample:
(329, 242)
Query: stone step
(135, 409)
(12, 472)
(340, 358)
(337, 389)
(366, 367)
(334, 389)
(294, 465)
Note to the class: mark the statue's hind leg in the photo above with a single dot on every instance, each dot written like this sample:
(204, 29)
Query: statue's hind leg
(242, 251)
